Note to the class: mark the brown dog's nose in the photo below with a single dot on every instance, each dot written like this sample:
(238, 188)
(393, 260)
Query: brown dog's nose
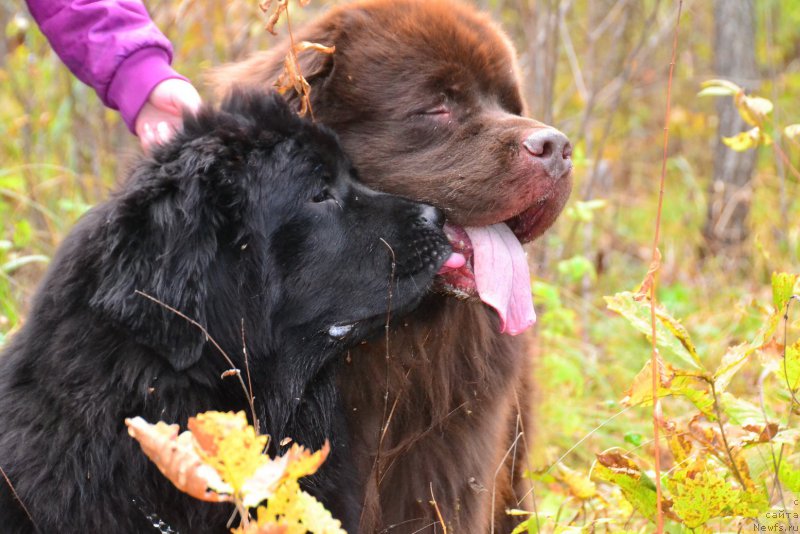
(552, 149)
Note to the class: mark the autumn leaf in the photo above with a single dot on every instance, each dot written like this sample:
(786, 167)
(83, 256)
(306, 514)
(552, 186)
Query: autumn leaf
(719, 88)
(670, 334)
(792, 132)
(579, 484)
(747, 140)
(303, 463)
(753, 109)
(782, 289)
(230, 446)
(292, 77)
(177, 458)
(274, 17)
(688, 386)
(636, 486)
(263, 483)
(297, 512)
(302, 46)
(700, 493)
(222, 459)
(736, 356)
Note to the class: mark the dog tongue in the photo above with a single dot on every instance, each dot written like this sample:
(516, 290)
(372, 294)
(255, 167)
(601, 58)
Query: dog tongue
(502, 276)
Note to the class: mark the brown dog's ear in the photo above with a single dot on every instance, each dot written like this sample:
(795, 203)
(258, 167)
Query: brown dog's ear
(262, 69)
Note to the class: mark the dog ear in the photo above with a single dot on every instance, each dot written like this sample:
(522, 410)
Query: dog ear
(261, 69)
(159, 243)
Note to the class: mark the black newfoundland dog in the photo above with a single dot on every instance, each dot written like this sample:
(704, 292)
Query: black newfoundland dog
(251, 224)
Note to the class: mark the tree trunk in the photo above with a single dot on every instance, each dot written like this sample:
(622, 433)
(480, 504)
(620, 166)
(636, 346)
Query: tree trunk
(730, 190)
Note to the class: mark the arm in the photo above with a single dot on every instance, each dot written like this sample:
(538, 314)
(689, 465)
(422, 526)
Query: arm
(114, 47)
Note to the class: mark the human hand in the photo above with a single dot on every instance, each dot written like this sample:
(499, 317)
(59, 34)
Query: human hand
(162, 114)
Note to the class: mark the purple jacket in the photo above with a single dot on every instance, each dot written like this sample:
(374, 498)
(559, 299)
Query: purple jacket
(112, 46)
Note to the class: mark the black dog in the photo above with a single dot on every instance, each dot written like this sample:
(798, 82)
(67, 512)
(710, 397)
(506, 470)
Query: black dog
(250, 223)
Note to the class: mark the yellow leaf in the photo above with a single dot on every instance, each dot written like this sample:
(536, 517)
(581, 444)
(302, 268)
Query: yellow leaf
(744, 140)
(177, 458)
(724, 87)
(298, 512)
(753, 109)
(303, 462)
(792, 132)
(579, 485)
(262, 485)
(307, 45)
(700, 493)
(230, 445)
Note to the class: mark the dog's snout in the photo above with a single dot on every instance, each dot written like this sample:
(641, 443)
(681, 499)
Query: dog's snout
(432, 216)
(552, 148)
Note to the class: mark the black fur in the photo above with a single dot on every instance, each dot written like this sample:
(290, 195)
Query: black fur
(249, 217)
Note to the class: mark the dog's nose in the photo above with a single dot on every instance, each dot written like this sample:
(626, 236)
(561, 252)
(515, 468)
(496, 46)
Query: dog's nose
(552, 149)
(432, 216)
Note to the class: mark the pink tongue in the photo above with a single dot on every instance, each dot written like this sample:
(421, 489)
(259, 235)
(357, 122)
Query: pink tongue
(502, 276)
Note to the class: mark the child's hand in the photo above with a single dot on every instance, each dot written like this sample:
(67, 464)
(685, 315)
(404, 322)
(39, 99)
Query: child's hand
(161, 115)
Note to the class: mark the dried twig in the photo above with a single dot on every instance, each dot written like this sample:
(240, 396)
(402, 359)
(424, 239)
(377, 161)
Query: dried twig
(654, 263)
(292, 77)
(248, 393)
(16, 496)
(385, 419)
(438, 512)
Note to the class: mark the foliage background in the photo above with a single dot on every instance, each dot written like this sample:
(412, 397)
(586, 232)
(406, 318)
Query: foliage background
(594, 68)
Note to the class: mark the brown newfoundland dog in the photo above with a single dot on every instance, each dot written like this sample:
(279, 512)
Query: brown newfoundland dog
(425, 97)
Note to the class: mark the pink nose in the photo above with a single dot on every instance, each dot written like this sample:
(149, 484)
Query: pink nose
(552, 149)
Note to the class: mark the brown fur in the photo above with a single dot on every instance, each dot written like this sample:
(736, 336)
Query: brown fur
(436, 409)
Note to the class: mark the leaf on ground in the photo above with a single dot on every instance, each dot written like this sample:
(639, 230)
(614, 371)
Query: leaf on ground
(670, 334)
(177, 458)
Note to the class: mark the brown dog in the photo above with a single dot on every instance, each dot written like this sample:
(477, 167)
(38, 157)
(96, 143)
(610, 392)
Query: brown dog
(425, 97)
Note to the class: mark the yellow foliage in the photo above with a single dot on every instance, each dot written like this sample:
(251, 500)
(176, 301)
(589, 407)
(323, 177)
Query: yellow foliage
(230, 446)
(222, 459)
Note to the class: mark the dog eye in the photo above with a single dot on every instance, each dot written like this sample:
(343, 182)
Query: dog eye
(440, 110)
(322, 196)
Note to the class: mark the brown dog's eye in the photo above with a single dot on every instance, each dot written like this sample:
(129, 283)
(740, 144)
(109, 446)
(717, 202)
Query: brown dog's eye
(439, 110)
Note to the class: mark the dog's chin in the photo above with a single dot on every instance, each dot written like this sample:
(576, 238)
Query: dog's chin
(350, 332)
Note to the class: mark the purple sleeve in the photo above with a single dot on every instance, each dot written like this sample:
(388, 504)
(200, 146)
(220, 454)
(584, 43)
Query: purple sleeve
(113, 46)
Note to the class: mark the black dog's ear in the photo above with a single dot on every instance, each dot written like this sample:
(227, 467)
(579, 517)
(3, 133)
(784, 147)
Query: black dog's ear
(160, 240)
